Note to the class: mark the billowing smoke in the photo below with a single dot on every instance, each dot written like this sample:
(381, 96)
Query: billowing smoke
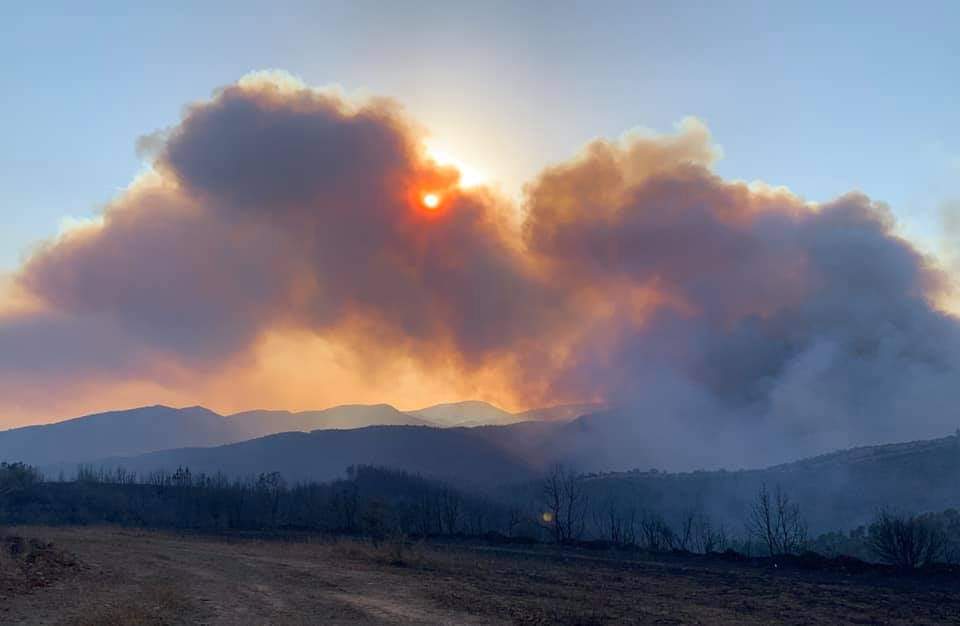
(276, 209)
(781, 329)
(277, 215)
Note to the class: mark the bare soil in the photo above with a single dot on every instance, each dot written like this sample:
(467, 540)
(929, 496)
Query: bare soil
(106, 576)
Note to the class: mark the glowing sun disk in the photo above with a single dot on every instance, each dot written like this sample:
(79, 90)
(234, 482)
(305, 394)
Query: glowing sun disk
(431, 200)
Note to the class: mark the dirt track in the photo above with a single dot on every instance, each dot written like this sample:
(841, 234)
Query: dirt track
(161, 578)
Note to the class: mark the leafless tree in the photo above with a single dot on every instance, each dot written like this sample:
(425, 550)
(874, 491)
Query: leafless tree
(656, 535)
(707, 538)
(611, 519)
(630, 527)
(565, 504)
(684, 538)
(426, 515)
(906, 541)
(697, 534)
(776, 522)
(450, 510)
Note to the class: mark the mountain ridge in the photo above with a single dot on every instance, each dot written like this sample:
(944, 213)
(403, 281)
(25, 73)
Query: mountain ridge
(151, 428)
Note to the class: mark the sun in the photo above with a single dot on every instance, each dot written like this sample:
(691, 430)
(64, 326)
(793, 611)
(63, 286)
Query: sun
(430, 200)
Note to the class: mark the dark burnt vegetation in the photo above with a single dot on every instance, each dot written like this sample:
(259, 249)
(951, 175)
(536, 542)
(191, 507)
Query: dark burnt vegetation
(393, 508)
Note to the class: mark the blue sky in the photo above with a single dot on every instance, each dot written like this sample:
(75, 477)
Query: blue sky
(820, 97)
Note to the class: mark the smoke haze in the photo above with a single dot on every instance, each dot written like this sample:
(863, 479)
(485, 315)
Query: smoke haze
(278, 253)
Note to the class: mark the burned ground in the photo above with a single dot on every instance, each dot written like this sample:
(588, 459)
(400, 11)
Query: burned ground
(146, 577)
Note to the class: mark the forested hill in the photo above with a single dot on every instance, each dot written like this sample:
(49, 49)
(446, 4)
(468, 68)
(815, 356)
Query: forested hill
(839, 490)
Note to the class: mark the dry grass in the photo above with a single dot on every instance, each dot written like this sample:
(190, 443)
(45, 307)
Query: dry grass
(157, 603)
(396, 550)
(163, 578)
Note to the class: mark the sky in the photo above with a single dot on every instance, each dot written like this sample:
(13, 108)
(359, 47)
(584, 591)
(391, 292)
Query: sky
(262, 169)
(819, 97)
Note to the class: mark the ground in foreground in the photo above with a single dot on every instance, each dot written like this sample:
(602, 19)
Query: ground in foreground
(136, 577)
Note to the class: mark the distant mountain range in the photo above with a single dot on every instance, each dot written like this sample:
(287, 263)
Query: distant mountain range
(150, 429)
(835, 490)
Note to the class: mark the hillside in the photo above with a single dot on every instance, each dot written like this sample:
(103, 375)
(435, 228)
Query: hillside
(559, 413)
(838, 490)
(455, 454)
(477, 413)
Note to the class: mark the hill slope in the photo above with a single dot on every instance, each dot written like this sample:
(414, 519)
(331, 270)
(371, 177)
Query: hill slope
(838, 490)
(455, 454)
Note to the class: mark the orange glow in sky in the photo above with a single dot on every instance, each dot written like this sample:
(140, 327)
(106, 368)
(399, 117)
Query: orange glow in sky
(469, 176)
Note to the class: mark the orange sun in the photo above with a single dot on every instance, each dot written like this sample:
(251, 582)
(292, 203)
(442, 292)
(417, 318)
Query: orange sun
(431, 200)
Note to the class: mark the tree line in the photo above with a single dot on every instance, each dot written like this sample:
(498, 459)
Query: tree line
(377, 502)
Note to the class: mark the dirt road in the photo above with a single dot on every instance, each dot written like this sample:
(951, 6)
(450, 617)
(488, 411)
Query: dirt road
(132, 577)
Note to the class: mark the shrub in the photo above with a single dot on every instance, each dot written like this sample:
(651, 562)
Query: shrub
(906, 541)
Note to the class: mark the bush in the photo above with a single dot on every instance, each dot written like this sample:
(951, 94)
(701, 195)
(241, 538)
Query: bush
(906, 541)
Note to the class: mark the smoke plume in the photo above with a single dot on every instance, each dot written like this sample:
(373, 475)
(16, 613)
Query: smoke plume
(278, 252)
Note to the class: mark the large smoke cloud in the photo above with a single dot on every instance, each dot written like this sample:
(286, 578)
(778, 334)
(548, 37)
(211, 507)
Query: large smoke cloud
(780, 328)
(638, 277)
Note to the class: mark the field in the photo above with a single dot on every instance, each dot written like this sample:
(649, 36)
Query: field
(98, 575)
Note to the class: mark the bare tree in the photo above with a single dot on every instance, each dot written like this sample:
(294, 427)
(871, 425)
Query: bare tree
(777, 523)
(611, 520)
(514, 519)
(450, 510)
(706, 538)
(656, 535)
(565, 504)
(630, 527)
(698, 534)
(426, 517)
(906, 541)
(684, 538)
